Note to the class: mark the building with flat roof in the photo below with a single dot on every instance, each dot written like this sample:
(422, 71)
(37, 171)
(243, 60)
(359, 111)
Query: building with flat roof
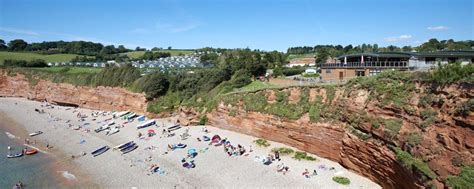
(368, 64)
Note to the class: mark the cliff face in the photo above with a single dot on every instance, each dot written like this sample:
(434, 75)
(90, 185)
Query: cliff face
(103, 98)
(330, 141)
(444, 144)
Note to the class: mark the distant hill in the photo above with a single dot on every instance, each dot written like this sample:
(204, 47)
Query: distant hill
(31, 56)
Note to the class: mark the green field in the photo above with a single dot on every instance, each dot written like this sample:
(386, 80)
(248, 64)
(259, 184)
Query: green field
(31, 56)
(138, 54)
(255, 85)
(70, 70)
(294, 56)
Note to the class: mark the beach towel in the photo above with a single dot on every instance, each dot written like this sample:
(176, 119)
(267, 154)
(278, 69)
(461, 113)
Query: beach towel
(82, 141)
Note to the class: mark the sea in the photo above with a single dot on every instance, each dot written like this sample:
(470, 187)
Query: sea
(34, 171)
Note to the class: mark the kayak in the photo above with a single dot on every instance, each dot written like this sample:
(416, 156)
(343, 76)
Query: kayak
(36, 133)
(14, 155)
(129, 148)
(100, 151)
(31, 152)
(127, 145)
(121, 146)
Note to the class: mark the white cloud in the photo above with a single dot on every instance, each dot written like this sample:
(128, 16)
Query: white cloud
(19, 31)
(397, 38)
(437, 28)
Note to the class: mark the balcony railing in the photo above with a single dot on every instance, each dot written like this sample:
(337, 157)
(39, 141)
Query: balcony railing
(368, 64)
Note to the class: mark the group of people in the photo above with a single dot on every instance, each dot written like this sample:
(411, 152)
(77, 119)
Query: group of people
(232, 150)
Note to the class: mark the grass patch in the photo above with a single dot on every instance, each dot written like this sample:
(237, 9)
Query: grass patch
(283, 151)
(262, 142)
(341, 180)
(303, 156)
(254, 86)
(464, 180)
(414, 164)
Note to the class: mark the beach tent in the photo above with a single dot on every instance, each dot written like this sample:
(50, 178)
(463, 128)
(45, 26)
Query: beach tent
(192, 153)
(216, 139)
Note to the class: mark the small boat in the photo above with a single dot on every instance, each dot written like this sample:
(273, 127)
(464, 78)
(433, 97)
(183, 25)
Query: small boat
(14, 155)
(100, 151)
(129, 148)
(102, 128)
(31, 152)
(113, 131)
(36, 133)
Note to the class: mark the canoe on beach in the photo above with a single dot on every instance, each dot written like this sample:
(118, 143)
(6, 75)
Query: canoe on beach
(124, 145)
(129, 148)
(31, 152)
(100, 151)
(14, 155)
(36, 133)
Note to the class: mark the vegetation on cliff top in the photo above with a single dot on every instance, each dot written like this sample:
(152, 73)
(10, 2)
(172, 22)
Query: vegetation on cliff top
(341, 180)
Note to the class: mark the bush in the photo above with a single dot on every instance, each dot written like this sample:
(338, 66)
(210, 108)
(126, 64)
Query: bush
(203, 120)
(414, 138)
(283, 150)
(465, 108)
(341, 180)
(292, 71)
(464, 180)
(452, 72)
(262, 142)
(310, 75)
(392, 127)
(303, 156)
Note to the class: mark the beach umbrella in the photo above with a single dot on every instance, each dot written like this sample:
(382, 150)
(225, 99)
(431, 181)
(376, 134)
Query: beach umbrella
(151, 131)
(192, 151)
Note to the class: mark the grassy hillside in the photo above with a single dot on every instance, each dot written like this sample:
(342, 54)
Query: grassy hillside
(31, 56)
(138, 54)
(294, 56)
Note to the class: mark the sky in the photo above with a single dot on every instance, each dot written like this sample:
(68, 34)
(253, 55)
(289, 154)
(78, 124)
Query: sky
(257, 24)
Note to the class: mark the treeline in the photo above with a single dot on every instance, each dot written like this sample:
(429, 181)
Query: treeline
(150, 55)
(324, 51)
(55, 47)
(23, 63)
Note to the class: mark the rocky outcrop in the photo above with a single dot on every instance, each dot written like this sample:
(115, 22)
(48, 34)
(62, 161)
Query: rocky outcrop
(103, 98)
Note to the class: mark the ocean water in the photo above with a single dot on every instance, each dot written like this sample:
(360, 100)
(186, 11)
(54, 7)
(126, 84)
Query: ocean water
(35, 171)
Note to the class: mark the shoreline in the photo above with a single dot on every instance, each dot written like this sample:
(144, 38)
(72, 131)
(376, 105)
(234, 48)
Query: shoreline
(213, 167)
(55, 160)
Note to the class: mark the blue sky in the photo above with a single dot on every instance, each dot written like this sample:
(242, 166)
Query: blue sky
(262, 24)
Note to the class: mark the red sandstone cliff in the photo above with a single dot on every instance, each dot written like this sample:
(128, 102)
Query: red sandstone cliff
(449, 138)
(103, 98)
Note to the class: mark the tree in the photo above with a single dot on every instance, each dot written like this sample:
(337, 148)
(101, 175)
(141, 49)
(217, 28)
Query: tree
(2, 45)
(17, 45)
(407, 49)
(322, 55)
(169, 48)
(122, 49)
